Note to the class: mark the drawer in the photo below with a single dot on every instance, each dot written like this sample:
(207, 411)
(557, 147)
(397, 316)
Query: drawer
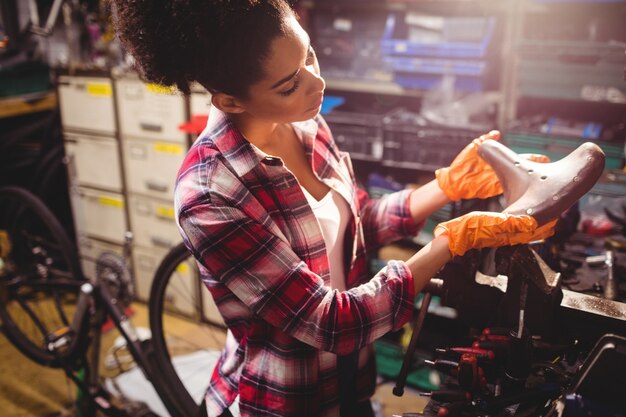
(153, 222)
(86, 104)
(99, 214)
(151, 166)
(150, 111)
(181, 296)
(94, 161)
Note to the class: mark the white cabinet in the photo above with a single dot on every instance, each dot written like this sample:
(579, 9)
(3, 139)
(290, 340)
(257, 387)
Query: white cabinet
(90, 249)
(94, 161)
(151, 166)
(153, 222)
(99, 214)
(181, 294)
(149, 111)
(86, 104)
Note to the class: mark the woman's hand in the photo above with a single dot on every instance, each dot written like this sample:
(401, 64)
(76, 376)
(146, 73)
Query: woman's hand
(486, 229)
(469, 176)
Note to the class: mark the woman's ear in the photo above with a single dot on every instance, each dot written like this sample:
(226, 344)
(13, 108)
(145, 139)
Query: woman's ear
(227, 103)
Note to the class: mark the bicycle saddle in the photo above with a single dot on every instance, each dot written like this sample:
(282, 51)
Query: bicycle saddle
(543, 190)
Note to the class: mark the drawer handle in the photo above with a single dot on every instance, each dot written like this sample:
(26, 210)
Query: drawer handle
(159, 241)
(151, 127)
(155, 186)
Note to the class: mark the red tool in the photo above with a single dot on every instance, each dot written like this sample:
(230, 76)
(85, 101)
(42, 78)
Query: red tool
(451, 410)
(458, 351)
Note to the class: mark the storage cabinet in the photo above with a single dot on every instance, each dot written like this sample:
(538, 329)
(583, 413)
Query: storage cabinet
(149, 111)
(184, 283)
(91, 249)
(99, 214)
(123, 180)
(86, 104)
(92, 155)
(152, 165)
(94, 161)
(153, 222)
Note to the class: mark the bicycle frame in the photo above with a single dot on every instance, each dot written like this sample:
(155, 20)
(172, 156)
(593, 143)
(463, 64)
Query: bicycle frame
(94, 304)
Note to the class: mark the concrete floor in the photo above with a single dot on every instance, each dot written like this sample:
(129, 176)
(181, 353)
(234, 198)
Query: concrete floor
(30, 390)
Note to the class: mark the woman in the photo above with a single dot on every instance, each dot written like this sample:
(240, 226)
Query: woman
(269, 208)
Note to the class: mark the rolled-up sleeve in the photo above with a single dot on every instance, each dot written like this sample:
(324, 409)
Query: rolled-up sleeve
(387, 219)
(262, 270)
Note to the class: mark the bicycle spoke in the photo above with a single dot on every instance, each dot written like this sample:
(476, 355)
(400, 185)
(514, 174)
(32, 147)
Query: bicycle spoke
(40, 276)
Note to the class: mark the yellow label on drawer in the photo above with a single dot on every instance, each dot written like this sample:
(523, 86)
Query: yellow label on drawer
(168, 148)
(99, 89)
(182, 268)
(111, 201)
(160, 89)
(166, 212)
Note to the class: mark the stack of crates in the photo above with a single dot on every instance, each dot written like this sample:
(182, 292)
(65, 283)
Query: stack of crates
(423, 49)
(359, 133)
(347, 44)
(573, 51)
(558, 147)
(410, 142)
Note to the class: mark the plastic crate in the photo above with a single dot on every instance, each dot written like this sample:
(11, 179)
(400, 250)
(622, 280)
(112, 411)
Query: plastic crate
(348, 45)
(572, 71)
(360, 134)
(431, 81)
(25, 78)
(559, 147)
(409, 144)
(447, 37)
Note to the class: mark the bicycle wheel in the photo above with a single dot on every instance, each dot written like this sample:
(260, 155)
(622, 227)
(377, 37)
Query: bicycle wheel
(185, 346)
(40, 275)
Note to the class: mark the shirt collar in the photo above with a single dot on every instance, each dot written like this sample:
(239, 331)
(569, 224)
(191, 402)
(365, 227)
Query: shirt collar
(308, 127)
(241, 155)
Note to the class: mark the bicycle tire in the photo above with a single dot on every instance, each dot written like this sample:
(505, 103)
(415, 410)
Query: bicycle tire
(166, 291)
(40, 275)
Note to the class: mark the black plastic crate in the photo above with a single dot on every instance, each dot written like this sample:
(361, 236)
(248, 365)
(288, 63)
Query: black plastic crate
(408, 143)
(360, 134)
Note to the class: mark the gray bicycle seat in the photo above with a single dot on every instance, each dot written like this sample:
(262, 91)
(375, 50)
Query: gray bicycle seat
(543, 190)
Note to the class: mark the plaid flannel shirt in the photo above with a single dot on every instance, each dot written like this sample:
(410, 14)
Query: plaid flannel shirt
(261, 254)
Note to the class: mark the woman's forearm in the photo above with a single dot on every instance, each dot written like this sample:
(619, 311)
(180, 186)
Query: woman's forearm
(426, 200)
(428, 261)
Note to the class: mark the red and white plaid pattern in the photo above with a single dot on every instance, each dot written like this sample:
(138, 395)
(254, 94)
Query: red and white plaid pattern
(261, 254)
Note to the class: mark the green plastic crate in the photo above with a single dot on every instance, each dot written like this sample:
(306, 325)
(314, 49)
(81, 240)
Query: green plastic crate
(558, 147)
(572, 71)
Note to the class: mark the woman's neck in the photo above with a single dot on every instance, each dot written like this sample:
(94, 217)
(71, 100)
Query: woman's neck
(264, 135)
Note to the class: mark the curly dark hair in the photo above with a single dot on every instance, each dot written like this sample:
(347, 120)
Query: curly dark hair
(221, 44)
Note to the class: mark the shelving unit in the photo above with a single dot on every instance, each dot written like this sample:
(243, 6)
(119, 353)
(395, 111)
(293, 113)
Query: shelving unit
(509, 98)
(546, 57)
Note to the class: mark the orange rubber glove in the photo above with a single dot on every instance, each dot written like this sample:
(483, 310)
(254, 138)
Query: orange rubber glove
(480, 229)
(469, 176)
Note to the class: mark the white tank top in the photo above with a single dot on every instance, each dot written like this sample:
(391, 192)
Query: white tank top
(332, 213)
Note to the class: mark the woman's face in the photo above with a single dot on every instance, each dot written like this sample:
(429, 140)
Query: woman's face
(292, 89)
